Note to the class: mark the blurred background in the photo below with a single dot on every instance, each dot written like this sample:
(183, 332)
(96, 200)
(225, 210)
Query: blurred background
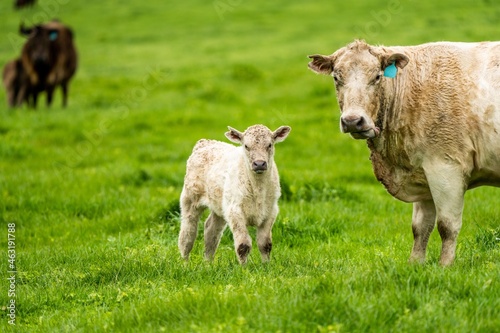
(186, 69)
(214, 49)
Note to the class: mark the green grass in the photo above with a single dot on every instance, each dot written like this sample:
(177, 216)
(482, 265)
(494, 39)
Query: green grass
(93, 189)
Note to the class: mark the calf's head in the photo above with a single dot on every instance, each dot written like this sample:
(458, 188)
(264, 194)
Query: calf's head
(41, 45)
(358, 72)
(258, 143)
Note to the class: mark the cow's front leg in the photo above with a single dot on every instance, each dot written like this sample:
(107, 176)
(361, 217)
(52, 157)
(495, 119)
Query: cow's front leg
(448, 188)
(264, 239)
(449, 225)
(242, 239)
(424, 218)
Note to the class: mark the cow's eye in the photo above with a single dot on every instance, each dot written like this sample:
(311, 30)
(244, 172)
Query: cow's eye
(376, 79)
(337, 80)
(269, 146)
(246, 147)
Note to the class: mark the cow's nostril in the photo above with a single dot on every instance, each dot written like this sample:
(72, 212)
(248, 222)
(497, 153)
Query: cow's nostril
(360, 123)
(346, 123)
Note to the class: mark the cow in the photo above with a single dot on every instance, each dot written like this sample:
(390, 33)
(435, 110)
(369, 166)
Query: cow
(431, 116)
(16, 83)
(49, 58)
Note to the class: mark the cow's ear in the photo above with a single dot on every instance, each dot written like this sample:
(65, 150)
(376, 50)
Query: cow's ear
(281, 133)
(321, 64)
(25, 31)
(234, 135)
(399, 59)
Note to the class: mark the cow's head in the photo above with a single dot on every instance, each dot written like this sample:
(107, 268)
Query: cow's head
(358, 72)
(258, 143)
(41, 45)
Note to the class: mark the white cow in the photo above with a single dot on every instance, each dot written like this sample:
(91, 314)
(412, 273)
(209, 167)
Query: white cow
(240, 186)
(431, 116)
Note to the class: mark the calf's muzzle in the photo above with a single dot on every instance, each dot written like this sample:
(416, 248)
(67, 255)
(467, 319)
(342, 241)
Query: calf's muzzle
(259, 166)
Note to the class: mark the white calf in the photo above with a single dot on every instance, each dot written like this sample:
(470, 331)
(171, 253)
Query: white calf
(240, 186)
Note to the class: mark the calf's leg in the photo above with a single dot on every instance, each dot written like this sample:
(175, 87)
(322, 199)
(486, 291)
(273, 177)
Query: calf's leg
(424, 219)
(242, 239)
(190, 216)
(214, 227)
(264, 239)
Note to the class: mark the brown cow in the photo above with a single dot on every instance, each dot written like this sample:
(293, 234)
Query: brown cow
(16, 83)
(433, 129)
(49, 58)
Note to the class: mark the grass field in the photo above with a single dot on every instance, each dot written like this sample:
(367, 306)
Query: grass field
(91, 192)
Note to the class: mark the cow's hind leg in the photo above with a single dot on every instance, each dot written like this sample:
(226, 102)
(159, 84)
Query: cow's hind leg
(190, 216)
(50, 95)
(34, 99)
(424, 219)
(19, 96)
(214, 227)
(11, 97)
(64, 88)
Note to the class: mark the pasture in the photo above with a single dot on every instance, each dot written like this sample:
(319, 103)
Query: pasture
(91, 192)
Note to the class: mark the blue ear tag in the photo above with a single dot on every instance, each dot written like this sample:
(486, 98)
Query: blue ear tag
(391, 71)
(53, 35)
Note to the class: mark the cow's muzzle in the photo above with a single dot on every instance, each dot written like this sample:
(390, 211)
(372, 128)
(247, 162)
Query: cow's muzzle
(358, 127)
(259, 166)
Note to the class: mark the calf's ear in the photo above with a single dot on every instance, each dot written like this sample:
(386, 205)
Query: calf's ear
(281, 133)
(234, 135)
(321, 64)
(399, 59)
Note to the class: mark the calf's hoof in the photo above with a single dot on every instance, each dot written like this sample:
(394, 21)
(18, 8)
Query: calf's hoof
(243, 251)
